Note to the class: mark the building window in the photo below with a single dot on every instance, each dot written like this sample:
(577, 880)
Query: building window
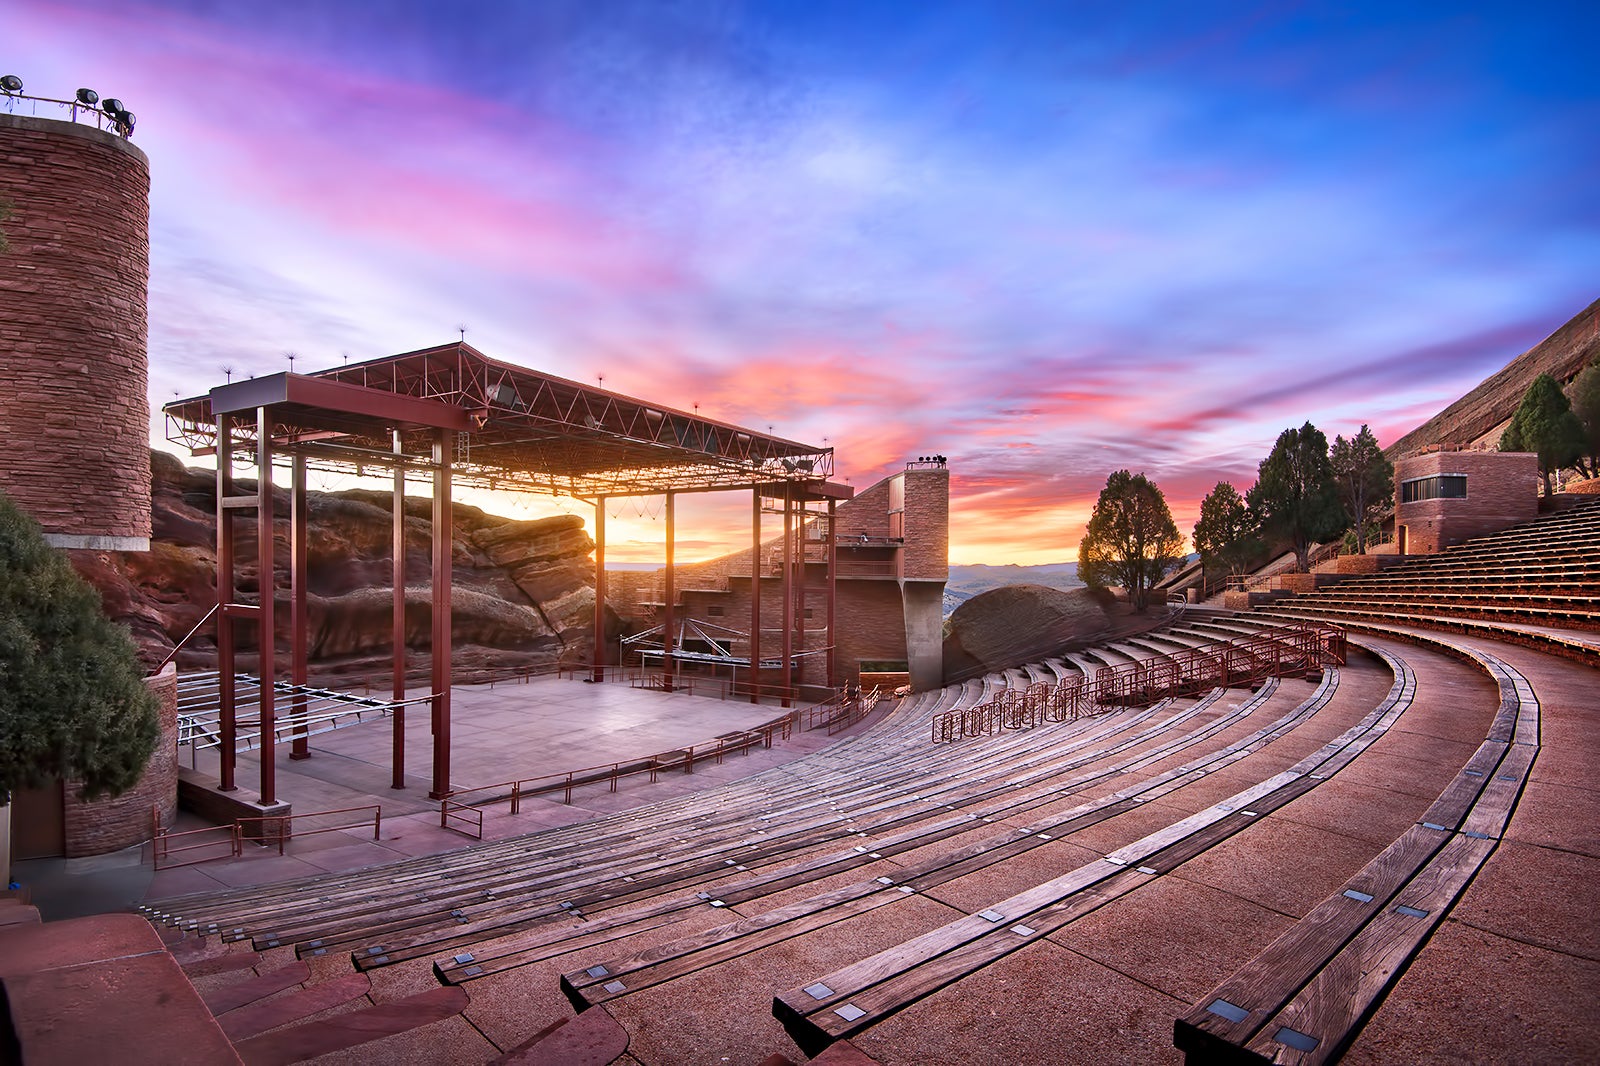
(808, 612)
(1437, 487)
(714, 610)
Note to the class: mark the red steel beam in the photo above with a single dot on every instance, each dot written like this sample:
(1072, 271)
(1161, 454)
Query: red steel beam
(227, 754)
(266, 638)
(597, 666)
(442, 535)
(298, 623)
(667, 618)
(755, 596)
(398, 637)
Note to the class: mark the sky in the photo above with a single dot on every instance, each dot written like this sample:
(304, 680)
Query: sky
(1048, 241)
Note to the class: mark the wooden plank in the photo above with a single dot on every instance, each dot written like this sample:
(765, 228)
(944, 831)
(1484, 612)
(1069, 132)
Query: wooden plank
(1230, 1014)
(1328, 1012)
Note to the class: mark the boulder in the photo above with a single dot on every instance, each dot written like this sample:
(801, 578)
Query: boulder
(1018, 624)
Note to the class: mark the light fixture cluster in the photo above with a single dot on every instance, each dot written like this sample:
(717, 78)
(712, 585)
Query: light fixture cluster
(121, 118)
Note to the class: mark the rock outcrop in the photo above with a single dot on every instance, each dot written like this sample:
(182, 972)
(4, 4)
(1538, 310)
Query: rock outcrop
(522, 591)
(1479, 416)
(1019, 624)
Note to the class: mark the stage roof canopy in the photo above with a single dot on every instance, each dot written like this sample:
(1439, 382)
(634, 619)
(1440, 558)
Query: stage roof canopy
(512, 428)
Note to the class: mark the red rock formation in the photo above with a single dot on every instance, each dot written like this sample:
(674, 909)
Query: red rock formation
(522, 592)
(1481, 414)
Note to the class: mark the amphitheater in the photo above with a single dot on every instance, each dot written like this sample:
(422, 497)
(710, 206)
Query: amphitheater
(1356, 824)
(1352, 829)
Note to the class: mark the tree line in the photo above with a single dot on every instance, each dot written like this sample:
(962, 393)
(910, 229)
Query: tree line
(1307, 493)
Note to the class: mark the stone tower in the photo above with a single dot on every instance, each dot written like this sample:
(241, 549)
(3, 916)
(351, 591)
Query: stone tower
(74, 414)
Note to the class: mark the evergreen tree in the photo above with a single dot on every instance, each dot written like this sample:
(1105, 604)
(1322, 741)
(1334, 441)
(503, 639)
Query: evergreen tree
(1295, 497)
(1131, 539)
(73, 702)
(1365, 478)
(1586, 405)
(1226, 534)
(1545, 425)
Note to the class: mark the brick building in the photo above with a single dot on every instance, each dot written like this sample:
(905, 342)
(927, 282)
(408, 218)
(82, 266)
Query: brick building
(1445, 497)
(893, 542)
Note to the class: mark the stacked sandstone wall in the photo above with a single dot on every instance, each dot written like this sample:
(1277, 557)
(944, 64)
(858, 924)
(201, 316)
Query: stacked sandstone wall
(75, 417)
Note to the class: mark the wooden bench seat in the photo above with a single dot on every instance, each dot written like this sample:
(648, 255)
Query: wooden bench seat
(848, 1000)
(621, 976)
(1304, 998)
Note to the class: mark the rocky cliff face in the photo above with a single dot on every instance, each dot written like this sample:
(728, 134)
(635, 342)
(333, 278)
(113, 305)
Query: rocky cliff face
(522, 592)
(1480, 415)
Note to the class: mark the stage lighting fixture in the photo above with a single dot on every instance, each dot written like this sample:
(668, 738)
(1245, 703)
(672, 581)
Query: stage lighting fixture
(11, 83)
(88, 97)
(126, 120)
(111, 105)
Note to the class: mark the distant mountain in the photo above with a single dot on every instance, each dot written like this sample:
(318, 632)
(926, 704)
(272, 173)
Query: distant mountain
(967, 581)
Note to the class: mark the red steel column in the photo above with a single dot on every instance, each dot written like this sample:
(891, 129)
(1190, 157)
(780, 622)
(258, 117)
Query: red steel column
(788, 592)
(597, 667)
(442, 551)
(227, 755)
(297, 600)
(755, 595)
(397, 507)
(266, 632)
(833, 589)
(667, 619)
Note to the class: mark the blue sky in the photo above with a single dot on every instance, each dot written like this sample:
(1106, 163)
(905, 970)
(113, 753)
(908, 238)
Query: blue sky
(1046, 240)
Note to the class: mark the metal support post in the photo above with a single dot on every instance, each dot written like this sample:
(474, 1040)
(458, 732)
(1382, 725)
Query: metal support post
(398, 588)
(227, 755)
(442, 551)
(297, 601)
(597, 667)
(833, 589)
(787, 593)
(667, 619)
(755, 595)
(266, 631)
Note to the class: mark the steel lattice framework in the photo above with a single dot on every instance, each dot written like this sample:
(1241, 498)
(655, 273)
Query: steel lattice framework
(515, 428)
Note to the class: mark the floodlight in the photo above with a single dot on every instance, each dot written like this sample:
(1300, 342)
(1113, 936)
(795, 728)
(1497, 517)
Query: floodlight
(111, 105)
(88, 97)
(126, 119)
(11, 83)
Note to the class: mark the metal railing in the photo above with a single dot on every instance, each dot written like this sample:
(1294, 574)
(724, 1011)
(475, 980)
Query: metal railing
(280, 827)
(269, 828)
(1291, 650)
(116, 120)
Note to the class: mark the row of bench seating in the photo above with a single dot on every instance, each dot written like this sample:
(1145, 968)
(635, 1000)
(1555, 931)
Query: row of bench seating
(848, 807)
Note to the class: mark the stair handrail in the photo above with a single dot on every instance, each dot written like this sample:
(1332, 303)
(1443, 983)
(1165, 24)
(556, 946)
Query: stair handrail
(176, 648)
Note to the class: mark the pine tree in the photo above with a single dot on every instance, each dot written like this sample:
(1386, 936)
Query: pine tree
(73, 702)
(1294, 496)
(1365, 478)
(1544, 424)
(1226, 534)
(1131, 539)
(1585, 393)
